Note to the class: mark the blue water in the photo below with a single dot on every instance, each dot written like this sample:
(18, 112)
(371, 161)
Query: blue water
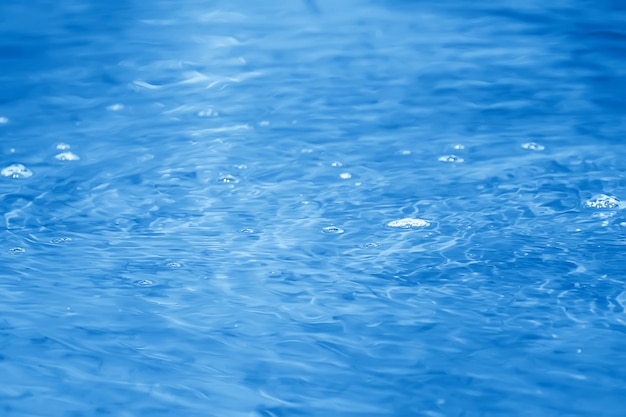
(312, 208)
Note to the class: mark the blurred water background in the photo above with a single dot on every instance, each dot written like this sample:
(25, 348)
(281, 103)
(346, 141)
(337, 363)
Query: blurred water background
(312, 208)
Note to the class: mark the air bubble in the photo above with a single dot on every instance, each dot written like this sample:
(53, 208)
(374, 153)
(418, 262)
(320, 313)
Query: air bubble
(458, 147)
(228, 179)
(336, 164)
(173, 265)
(16, 171)
(371, 245)
(144, 283)
(17, 250)
(332, 229)
(247, 230)
(345, 175)
(451, 159)
(408, 223)
(67, 156)
(62, 146)
(533, 146)
(61, 240)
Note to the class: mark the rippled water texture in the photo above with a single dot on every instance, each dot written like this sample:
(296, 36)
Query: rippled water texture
(312, 208)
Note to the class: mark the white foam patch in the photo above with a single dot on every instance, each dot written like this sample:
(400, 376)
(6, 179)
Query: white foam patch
(603, 201)
(408, 223)
(16, 171)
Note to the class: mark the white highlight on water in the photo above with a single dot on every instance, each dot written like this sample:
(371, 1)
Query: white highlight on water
(115, 107)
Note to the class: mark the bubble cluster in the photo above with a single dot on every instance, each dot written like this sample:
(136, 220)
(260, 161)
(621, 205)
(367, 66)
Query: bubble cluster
(533, 146)
(332, 229)
(451, 159)
(16, 171)
(603, 201)
(408, 223)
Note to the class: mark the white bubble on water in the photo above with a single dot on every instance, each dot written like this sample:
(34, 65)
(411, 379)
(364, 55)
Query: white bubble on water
(603, 201)
(336, 164)
(345, 175)
(533, 146)
(173, 265)
(62, 146)
(16, 171)
(17, 250)
(451, 159)
(332, 229)
(408, 223)
(67, 156)
(458, 147)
